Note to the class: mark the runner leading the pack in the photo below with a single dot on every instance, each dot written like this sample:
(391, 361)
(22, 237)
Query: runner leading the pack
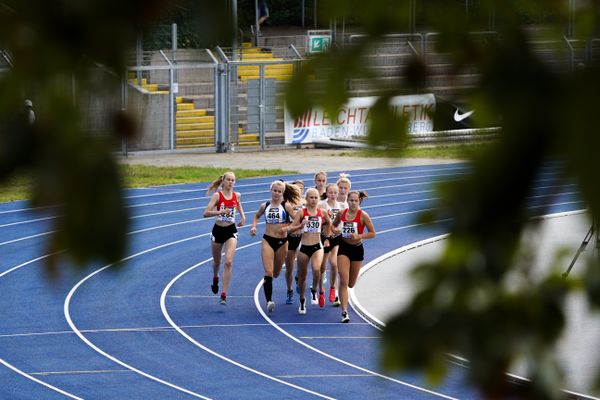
(223, 205)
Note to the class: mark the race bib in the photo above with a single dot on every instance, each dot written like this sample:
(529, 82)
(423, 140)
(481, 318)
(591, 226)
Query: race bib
(313, 224)
(228, 217)
(274, 216)
(348, 228)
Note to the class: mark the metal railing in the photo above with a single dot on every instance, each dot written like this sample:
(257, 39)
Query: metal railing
(7, 58)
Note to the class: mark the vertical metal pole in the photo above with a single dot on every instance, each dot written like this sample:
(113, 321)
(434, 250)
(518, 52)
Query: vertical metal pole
(315, 14)
(218, 108)
(234, 44)
(257, 28)
(492, 20)
(138, 58)
(334, 30)
(571, 26)
(303, 10)
(226, 101)
(123, 109)
(412, 12)
(171, 109)
(174, 46)
(261, 106)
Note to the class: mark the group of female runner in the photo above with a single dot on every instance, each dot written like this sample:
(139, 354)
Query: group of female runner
(326, 224)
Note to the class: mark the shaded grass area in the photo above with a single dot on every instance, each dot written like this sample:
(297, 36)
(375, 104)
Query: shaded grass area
(17, 188)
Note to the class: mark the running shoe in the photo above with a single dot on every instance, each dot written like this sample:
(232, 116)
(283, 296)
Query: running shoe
(313, 297)
(215, 285)
(345, 318)
(336, 302)
(223, 300)
(302, 308)
(321, 299)
(290, 296)
(270, 306)
(331, 295)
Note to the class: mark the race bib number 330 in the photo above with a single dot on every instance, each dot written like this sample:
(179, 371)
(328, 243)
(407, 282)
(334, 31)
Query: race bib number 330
(313, 224)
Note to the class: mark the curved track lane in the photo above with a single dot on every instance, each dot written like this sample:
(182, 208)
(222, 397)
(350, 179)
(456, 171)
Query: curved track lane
(154, 329)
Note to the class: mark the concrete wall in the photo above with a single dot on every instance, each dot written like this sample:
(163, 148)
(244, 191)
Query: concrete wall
(152, 116)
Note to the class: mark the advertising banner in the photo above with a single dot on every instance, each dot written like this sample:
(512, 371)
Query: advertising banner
(352, 120)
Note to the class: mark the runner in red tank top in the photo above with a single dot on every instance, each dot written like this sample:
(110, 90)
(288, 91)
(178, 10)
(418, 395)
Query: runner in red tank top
(311, 219)
(351, 223)
(223, 205)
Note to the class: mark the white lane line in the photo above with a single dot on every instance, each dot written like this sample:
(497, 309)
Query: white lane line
(99, 371)
(167, 316)
(36, 380)
(29, 221)
(269, 179)
(8, 271)
(26, 238)
(257, 201)
(380, 325)
(326, 376)
(334, 358)
(246, 193)
(338, 337)
(201, 296)
(165, 328)
(266, 182)
(17, 370)
(81, 336)
(23, 265)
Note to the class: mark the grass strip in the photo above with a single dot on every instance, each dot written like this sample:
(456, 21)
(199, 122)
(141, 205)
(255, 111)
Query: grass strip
(18, 187)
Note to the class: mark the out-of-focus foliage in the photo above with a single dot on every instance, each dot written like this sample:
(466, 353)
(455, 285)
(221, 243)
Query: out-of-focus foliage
(200, 24)
(55, 48)
(464, 303)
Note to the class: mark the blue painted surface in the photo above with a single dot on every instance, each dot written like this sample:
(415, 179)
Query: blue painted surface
(128, 349)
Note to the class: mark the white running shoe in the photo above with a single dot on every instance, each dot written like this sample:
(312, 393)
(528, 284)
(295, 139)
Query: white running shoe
(270, 306)
(302, 308)
(345, 318)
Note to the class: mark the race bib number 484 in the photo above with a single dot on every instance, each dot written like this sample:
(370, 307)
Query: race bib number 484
(228, 217)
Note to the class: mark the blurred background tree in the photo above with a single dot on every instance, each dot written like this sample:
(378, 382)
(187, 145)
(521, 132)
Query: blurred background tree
(463, 303)
(54, 48)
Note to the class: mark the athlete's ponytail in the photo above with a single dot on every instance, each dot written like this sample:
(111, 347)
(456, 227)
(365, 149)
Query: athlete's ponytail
(360, 193)
(292, 194)
(218, 182)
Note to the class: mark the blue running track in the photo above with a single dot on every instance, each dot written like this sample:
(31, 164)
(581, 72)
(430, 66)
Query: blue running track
(152, 329)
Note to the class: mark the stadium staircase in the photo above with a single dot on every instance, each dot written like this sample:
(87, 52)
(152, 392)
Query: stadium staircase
(246, 73)
(195, 120)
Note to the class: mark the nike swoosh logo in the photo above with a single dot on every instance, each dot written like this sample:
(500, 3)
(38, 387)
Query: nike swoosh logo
(459, 117)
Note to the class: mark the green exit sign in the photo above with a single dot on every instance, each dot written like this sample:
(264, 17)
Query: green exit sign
(319, 42)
